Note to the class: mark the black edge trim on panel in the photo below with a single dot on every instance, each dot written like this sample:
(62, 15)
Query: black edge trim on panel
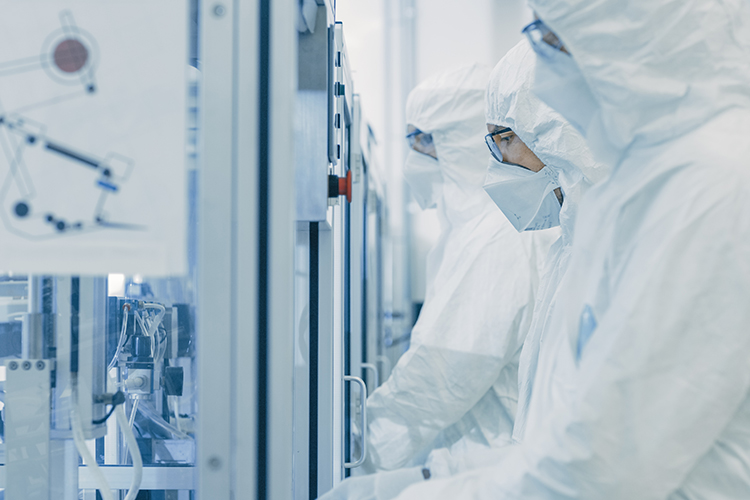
(263, 241)
(313, 356)
(75, 307)
(347, 333)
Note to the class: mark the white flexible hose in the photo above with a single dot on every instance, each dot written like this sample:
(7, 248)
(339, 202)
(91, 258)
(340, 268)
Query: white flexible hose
(162, 350)
(176, 409)
(132, 413)
(83, 450)
(135, 453)
(154, 328)
(140, 322)
(159, 316)
(119, 341)
(132, 446)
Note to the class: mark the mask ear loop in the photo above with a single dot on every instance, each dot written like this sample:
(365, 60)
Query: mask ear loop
(554, 178)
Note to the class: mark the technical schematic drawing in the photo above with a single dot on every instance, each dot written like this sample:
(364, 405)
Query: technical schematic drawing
(93, 130)
(69, 56)
(23, 209)
(37, 167)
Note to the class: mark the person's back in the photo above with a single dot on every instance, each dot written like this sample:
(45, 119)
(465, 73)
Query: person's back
(649, 287)
(654, 325)
(672, 274)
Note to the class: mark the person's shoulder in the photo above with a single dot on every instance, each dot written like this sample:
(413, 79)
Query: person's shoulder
(720, 148)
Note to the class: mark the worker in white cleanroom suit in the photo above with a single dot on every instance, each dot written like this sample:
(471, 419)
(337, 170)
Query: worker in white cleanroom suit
(520, 122)
(654, 308)
(558, 149)
(457, 382)
(511, 103)
(456, 386)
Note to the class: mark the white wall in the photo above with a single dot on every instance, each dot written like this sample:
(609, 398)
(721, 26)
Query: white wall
(480, 31)
(395, 44)
(448, 34)
(364, 26)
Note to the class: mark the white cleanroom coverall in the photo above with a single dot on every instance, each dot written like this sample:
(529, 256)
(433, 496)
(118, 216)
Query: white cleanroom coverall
(655, 315)
(510, 102)
(457, 383)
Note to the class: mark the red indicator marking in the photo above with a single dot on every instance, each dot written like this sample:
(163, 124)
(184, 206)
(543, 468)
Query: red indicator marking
(70, 55)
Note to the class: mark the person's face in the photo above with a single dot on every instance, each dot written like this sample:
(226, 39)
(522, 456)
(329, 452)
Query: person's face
(514, 150)
(421, 142)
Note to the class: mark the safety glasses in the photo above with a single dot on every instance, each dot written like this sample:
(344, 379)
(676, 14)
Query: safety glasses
(490, 140)
(421, 142)
(543, 40)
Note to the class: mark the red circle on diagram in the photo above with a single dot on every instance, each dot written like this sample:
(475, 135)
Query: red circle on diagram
(70, 55)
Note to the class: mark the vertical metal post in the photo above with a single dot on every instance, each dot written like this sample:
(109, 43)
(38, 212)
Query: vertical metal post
(216, 280)
(329, 367)
(245, 265)
(91, 327)
(63, 389)
(63, 469)
(32, 337)
(282, 64)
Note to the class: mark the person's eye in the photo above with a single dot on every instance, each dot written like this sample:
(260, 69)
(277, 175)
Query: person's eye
(507, 138)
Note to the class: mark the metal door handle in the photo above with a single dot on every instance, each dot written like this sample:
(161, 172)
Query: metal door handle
(363, 402)
(370, 366)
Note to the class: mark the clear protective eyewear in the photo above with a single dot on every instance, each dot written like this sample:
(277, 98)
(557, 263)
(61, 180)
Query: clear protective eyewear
(421, 142)
(489, 139)
(543, 40)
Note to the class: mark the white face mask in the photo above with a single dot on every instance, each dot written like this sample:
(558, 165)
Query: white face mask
(526, 198)
(425, 179)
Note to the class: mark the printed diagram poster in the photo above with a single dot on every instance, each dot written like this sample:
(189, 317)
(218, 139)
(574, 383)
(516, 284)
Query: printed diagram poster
(92, 136)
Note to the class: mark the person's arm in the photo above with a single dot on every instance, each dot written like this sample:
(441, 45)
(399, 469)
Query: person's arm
(660, 379)
(469, 330)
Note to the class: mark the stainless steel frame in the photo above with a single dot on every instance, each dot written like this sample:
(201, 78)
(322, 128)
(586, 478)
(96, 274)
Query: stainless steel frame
(247, 54)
